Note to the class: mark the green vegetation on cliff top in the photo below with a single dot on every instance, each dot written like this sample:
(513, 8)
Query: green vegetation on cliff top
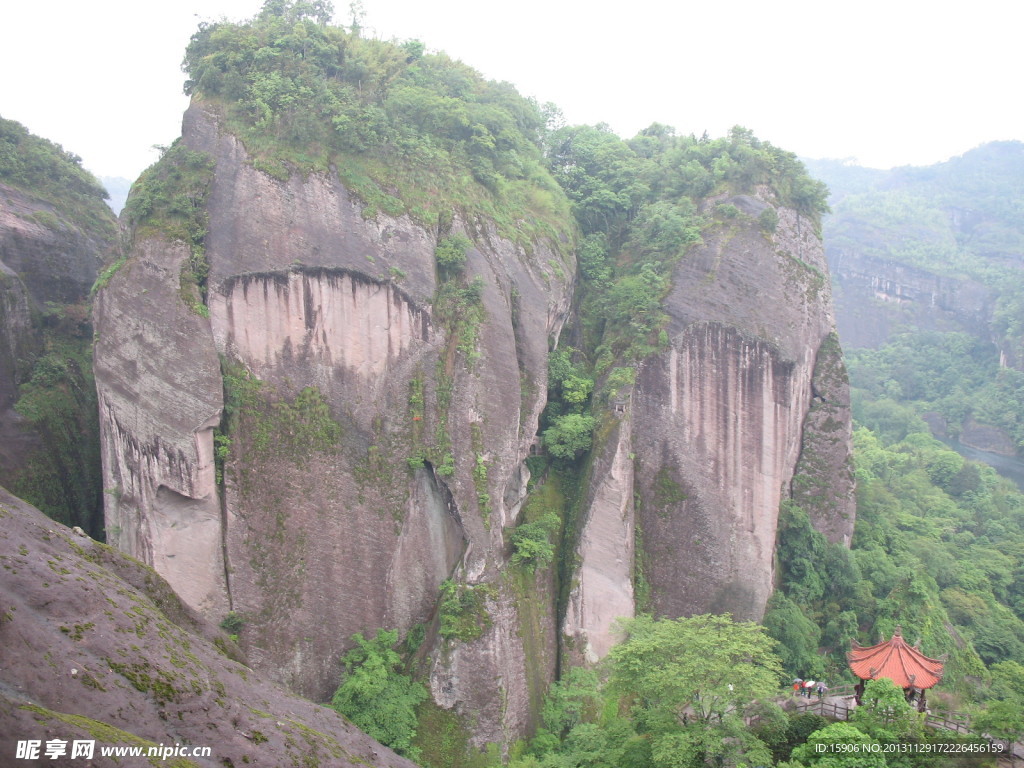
(47, 172)
(407, 131)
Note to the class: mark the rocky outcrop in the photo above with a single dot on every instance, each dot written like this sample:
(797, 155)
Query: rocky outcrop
(603, 588)
(749, 391)
(162, 505)
(983, 437)
(107, 652)
(720, 417)
(338, 427)
(375, 429)
(823, 482)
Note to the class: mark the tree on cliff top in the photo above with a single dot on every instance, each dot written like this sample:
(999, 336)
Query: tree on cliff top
(418, 133)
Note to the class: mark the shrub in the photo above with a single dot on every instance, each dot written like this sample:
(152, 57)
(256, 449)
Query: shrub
(451, 253)
(376, 696)
(463, 611)
(232, 623)
(569, 435)
(531, 542)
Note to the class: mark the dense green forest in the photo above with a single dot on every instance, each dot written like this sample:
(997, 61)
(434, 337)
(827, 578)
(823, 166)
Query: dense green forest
(938, 544)
(961, 219)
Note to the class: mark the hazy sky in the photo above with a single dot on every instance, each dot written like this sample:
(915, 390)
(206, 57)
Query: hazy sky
(889, 83)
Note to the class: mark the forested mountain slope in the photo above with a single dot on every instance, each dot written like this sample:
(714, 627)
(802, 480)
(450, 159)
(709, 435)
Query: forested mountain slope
(927, 266)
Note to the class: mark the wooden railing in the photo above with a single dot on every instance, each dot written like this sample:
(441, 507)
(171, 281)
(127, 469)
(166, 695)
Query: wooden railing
(951, 721)
(825, 708)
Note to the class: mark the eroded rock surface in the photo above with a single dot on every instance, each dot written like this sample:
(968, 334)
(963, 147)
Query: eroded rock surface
(749, 391)
(51, 250)
(374, 446)
(96, 646)
(720, 417)
(878, 297)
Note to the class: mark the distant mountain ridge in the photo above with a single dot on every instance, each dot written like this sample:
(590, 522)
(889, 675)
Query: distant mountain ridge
(928, 248)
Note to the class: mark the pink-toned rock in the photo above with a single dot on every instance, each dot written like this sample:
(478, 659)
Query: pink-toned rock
(749, 391)
(313, 543)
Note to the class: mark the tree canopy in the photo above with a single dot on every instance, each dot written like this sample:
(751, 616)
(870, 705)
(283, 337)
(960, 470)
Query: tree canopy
(419, 132)
(699, 667)
(376, 696)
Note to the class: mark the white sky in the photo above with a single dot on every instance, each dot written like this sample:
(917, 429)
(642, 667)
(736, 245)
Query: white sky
(901, 82)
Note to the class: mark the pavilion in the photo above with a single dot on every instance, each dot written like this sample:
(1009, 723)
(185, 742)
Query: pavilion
(899, 661)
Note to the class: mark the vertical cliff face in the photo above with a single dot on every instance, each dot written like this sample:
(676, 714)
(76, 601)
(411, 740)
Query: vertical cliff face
(18, 339)
(158, 379)
(721, 415)
(53, 239)
(749, 391)
(314, 421)
(56, 259)
(603, 590)
(17, 334)
(369, 422)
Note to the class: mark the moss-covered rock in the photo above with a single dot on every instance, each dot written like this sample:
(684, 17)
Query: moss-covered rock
(106, 651)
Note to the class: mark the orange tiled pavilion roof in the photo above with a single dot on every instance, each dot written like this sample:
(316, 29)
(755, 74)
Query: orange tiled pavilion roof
(902, 663)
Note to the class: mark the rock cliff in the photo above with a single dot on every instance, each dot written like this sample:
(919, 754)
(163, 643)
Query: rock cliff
(19, 339)
(310, 421)
(56, 257)
(748, 392)
(55, 233)
(336, 431)
(96, 646)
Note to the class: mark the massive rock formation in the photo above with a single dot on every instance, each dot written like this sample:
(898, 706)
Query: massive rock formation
(376, 430)
(97, 647)
(338, 428)
(703, 451)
